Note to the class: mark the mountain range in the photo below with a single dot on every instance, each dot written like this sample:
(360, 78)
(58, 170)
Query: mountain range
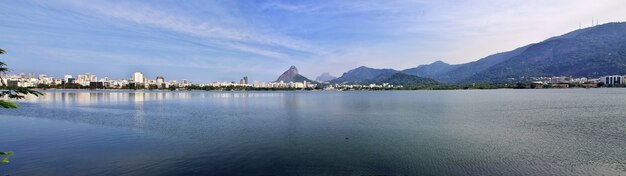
(373, 76)
(365, 75)
(362, 75)
(590, 52)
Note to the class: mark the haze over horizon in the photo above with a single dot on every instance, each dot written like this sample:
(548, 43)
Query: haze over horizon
(226, 40)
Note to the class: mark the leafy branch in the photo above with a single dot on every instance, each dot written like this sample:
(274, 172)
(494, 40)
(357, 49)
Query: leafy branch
(5, 160)
(7, 93)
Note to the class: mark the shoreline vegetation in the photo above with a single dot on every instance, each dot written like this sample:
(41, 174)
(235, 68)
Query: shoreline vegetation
(338, 88)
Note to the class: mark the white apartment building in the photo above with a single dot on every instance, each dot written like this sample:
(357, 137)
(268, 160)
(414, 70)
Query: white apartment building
(138, 78)
(613, 80)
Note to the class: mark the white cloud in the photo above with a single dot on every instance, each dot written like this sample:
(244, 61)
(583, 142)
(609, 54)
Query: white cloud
(215, 31)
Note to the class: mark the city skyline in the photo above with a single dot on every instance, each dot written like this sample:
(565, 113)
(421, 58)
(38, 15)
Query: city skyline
(138, 78)
(206, 41)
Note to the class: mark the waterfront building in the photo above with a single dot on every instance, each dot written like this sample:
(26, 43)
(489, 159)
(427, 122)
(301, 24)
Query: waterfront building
(184, 83)
(66, 78)
(160, 81)
(70, 81)
(44, 79)
(85, 79)
(560, 79)
(139, 80)
(150, 83)
(613, 80)
(138, 77)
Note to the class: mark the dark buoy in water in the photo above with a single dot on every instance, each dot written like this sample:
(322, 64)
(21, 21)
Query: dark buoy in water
(347, 138)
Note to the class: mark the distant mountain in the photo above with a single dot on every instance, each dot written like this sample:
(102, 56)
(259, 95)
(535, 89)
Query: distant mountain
(365, 75)
(431, 70)
(292, 75)
(404, 80)
(589, 52)
(361, 75)
(447, 73)
(325, 77)
(467, 70)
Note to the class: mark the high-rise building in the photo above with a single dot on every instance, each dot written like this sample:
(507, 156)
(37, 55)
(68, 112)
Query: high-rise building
(86, 78)
(138, 78)
(243, 80)
(66, 77)
(160, 81)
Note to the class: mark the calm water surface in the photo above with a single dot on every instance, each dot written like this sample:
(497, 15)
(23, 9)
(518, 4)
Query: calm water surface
(492, 132)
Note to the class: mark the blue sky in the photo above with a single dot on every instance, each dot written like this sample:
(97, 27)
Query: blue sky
(206, 41)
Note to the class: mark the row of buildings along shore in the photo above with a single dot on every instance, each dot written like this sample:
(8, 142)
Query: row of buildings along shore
(139, 81)
(566, 81)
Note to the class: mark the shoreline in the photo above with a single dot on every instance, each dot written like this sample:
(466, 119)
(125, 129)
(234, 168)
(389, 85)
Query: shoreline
(314, 90)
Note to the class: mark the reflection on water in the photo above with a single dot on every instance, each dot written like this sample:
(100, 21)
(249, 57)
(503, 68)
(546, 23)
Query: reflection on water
(494, 132)
(113, 107)
(107, 97)
(98, 97)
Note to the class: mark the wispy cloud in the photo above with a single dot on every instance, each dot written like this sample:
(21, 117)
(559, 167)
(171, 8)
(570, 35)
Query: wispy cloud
(346, 7)
(230, 36)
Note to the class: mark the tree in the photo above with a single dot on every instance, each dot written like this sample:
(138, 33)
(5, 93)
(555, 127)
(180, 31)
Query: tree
(173, 87)
(10, 92)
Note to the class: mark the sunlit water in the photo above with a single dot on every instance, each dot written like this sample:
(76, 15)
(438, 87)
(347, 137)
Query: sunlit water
(492, 132)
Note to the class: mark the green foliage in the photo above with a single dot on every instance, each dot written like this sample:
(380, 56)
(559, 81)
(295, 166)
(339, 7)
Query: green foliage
(407, 80)
(43, 86)
(5, 160)
(7, 104)
(362, 74)
(172, 88)
(15, 93)
(397, 79)
(71, 86)
(11, 93)
(152, 87)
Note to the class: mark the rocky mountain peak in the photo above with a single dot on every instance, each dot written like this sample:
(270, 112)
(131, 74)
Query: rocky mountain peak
(291, 75)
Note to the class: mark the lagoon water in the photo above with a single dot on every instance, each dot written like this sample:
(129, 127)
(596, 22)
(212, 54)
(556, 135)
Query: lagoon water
(460, 132)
